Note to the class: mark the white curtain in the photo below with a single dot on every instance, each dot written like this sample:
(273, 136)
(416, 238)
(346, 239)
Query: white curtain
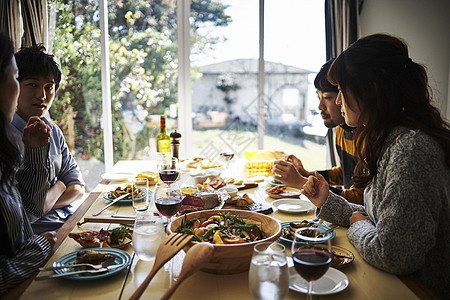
(341, 29)
(341, 24)
(10, 21)
(25, 21)
(35, 20)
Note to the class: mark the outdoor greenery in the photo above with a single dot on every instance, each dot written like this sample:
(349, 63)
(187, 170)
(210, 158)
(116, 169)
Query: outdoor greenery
(143, 59)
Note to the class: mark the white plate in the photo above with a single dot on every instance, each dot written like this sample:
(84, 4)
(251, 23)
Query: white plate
(117, 176)
(288, 205)
(334, 281)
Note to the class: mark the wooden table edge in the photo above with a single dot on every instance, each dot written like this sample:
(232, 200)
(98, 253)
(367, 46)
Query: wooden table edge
(17, 291)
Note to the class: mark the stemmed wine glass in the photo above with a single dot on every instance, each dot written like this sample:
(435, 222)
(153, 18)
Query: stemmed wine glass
(227, 156)
(312, 254)
(167, 197)
(168, 169)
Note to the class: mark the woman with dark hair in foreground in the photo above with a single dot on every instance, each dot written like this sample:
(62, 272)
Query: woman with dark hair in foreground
(22, 252)
(403, 151)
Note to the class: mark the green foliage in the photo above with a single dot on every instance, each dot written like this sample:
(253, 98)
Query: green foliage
(143, 65)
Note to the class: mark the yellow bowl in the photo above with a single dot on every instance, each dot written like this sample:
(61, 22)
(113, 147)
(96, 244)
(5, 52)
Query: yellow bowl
(232, 258)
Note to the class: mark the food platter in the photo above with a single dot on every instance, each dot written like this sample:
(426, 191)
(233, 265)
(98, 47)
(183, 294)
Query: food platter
(333, 281)
(127, 200)
(287, 193)
(341, 257)
(293, 206)
(122, 258)
(288, 241)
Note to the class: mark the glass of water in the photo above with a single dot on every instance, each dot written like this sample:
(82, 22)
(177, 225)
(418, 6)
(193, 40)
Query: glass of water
(268, 275)
(148, 234)
(139, 194)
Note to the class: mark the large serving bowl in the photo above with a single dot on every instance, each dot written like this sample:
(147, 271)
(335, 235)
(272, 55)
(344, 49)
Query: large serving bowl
(232, 258)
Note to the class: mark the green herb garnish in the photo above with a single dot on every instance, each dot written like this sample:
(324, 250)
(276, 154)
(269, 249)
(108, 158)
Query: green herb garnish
(118, 234)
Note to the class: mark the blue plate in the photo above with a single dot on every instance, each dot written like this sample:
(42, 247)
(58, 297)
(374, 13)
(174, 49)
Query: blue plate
(121, 257)
(289, 241)
(106, 197)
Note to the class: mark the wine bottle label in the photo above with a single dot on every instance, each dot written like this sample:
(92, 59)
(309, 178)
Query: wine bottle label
(164, 146)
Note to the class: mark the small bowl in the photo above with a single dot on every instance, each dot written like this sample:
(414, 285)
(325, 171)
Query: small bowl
(201, 177)
(231, 258)
(232, 191)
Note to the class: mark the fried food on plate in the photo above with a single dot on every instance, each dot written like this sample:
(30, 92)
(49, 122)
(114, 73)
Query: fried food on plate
(92, 257)
(114, 238)
(152, 177)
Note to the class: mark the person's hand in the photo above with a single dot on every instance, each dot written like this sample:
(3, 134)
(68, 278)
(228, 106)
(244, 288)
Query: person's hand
(288, 174)
(358, 216)
(37, 133)
(298, 165)
(316, 189)
(51, 237)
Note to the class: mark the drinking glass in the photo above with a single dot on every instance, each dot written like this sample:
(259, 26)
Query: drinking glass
(139, 194)
(268, 275)
(168, 169)
(148, 234)
(168, 198)
(312, 254)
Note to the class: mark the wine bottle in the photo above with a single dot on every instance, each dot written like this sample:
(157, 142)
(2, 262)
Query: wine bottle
(163, 140)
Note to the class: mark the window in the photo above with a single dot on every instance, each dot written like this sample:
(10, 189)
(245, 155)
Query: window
(224, 71)
(225, 93)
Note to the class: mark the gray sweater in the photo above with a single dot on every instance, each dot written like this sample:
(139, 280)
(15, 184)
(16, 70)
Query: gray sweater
(410, 229)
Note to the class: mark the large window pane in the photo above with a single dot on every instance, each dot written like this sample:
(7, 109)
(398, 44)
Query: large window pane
(225, 96)
(75, 42)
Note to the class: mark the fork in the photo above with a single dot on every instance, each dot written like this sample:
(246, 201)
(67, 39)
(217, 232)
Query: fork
(93, 271)
(171, 246)
(104, 264)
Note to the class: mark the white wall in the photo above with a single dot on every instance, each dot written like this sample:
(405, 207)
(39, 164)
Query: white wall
(425, 26)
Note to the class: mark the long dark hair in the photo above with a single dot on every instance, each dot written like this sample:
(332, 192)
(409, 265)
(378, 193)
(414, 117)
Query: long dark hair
(9, 154)
(390, 90)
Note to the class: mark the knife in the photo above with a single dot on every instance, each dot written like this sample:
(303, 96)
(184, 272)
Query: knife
(91, 271)
(113, 202)
(327, 231)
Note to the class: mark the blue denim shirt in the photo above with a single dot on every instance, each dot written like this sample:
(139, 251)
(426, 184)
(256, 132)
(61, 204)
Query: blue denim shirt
(61, 164)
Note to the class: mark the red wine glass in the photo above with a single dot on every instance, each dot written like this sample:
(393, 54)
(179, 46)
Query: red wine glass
(312, 254)
(167, 197)
(168, 169)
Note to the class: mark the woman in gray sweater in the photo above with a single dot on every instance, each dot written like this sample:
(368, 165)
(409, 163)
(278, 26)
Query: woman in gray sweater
(403, 163)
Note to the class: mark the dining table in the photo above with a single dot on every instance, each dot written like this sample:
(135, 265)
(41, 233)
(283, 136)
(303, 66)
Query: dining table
(365, 281)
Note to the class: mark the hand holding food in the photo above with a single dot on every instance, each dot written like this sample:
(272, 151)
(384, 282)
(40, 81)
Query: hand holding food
(316, 189)
(36, 133)
(288, 174)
